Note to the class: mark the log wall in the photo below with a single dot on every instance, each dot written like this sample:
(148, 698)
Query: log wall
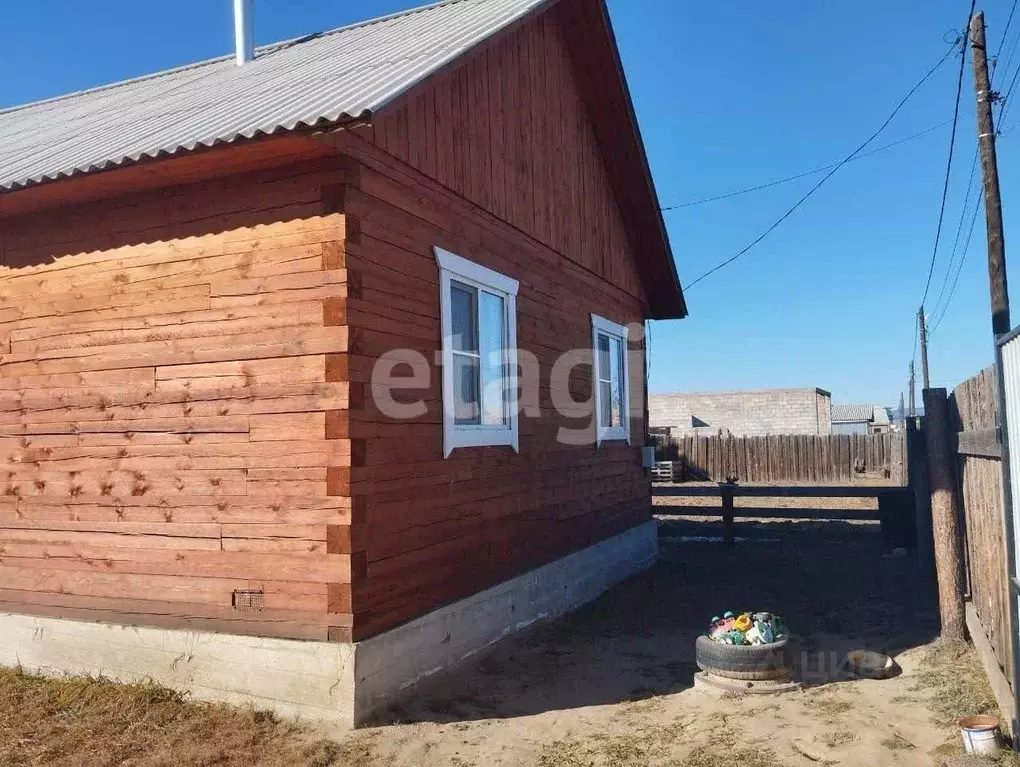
(434, 529)
(164, 392)
(510, 131)
(186, 403)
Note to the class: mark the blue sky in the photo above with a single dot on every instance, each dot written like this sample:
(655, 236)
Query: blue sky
(728, 95)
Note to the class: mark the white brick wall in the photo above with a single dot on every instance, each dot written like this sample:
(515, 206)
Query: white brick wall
(743, 413)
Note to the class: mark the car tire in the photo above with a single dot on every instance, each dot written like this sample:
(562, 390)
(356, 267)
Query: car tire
(744, 662)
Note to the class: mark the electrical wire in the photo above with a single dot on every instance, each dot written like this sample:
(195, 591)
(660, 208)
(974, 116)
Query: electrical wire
(959, 231)
(937, 312)
(1005, 32)
(959, 268)
(1004, 100)
(832, 172)
(949, 161)
(805, 174)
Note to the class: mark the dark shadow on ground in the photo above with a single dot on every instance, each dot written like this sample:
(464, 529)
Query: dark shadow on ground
(833, 582)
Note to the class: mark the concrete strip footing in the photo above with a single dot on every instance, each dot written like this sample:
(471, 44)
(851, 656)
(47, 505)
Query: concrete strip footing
(391, 663)
(338, 683)
(309, 680)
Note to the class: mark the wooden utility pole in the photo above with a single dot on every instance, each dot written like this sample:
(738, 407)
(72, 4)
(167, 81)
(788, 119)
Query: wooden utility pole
(946, 531)
(990, 179)
(913, 391)
(924, 347)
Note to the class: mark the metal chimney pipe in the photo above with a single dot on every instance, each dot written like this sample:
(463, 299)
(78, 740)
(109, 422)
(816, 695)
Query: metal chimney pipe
(244, 38)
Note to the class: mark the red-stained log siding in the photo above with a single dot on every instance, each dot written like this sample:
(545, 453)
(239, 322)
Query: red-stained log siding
(434, 530)
(509, 131)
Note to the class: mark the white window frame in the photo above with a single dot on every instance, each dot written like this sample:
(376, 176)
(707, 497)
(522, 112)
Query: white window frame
(455, 268)
(600, 325)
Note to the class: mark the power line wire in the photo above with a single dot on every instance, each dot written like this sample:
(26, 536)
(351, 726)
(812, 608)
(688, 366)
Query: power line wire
(1009, 92)
(938, 313)
(1005, 31)
(832, 172)
(959, 268)
(959, 231)
(806, 173)
(949, 161)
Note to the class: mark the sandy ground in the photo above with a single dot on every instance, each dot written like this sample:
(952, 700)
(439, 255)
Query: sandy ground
(612, 684)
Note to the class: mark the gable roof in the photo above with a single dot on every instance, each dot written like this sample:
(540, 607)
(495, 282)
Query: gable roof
(853, 413)
(330, 79)
(316, 80)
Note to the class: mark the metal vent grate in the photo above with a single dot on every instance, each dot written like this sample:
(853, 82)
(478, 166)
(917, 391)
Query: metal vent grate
(247, 600)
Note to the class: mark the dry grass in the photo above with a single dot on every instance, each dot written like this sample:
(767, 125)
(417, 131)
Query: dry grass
(94, 722)
(827, 707)
(956, 683)
(837, 738)
(642, 746)
(898, 743)
(661, 745)
(745, 756)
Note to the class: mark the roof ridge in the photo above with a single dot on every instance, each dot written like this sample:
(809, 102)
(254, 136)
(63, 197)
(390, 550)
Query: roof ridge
(264, 49)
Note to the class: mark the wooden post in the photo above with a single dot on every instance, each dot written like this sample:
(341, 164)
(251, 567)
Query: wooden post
(913, 390)
(946, 532)
(924, 349)
(917, 476)
(990, 179)
(726, 489)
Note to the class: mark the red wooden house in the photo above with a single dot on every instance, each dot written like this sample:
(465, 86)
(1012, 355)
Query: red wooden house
(297, 393)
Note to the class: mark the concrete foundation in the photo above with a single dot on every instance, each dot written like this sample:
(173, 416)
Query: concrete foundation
(389, 664)
(310, 680)
(325, 681)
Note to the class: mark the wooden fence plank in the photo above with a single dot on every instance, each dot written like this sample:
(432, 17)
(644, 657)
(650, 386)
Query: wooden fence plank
(826, 459)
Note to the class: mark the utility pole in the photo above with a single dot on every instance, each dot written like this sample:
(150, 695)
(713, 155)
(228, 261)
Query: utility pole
(990, 179)
(924, 347)
(903, 412)
(946, 530)
(913, 391)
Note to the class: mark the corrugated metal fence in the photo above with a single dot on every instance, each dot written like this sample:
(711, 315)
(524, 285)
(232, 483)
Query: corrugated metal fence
(832, 459)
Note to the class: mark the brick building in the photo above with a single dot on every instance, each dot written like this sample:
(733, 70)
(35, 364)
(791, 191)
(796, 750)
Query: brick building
(743, 413)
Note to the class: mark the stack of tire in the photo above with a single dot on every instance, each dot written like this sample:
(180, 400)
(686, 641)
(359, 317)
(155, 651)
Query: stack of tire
(745, 663)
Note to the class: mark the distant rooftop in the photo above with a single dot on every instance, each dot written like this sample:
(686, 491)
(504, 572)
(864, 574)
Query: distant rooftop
(858, 414)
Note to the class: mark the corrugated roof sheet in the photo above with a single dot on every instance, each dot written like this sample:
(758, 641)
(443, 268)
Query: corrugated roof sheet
(316, 80)
(850, 413)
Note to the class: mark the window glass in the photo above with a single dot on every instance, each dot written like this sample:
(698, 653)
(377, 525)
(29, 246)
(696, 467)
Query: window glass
(493, 369)
(465, 382)
(463, 317)
(478, 307)
(610, 380)
(616, 358)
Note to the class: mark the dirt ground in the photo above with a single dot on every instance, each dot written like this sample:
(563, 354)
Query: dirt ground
(612, 683)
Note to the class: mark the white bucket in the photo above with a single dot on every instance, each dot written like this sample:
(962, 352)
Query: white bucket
(980, 734)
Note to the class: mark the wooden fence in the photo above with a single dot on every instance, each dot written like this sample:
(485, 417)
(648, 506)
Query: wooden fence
(831, 459)
(973, 408)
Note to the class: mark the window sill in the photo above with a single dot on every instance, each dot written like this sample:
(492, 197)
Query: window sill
(613, 435)
(479, 437)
